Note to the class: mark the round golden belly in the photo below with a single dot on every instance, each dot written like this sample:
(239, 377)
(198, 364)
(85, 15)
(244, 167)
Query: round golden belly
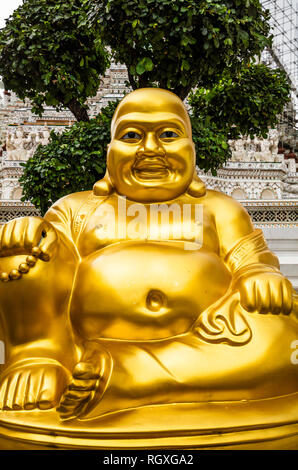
(144, 290)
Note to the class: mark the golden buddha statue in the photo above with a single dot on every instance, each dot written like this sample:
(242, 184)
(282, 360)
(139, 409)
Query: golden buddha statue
(148, 312)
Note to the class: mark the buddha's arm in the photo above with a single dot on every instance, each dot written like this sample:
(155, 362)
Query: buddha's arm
(21, 235)
(34, 299)
(254, 267)
(64, 216)
(34, 302)
(48, 279)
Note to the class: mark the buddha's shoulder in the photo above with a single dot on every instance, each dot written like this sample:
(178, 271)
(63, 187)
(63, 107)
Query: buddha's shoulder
(71, 203)
(212, 196)
(217, 196)
(220, 204)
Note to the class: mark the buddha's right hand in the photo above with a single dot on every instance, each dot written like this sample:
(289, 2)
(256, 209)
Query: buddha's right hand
(22, 235)
(89, 381)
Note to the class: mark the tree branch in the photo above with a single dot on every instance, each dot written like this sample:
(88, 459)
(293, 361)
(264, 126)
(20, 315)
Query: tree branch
(132, 81)
(79, 111)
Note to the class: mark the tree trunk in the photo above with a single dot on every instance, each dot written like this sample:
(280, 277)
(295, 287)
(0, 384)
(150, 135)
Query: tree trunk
(132, 81)
(79, 112)
(182, 91)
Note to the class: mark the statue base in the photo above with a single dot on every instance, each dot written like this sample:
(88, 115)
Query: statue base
(259, 424)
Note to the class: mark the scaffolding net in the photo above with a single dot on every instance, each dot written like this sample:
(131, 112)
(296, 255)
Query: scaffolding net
(284, 54)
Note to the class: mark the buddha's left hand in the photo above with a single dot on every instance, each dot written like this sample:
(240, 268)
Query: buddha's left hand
(266, 293)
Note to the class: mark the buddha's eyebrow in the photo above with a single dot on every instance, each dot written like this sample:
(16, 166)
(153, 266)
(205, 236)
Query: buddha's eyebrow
(135, 121)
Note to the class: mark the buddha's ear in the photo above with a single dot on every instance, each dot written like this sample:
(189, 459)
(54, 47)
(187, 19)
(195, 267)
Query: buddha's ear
(103, 187)
(197, 187)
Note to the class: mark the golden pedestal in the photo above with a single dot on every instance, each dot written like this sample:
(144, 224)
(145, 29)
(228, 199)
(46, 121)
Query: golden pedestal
(262, 424)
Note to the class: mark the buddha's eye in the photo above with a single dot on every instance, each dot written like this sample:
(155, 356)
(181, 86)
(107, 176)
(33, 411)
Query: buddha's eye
(168, 135)
(131, 135)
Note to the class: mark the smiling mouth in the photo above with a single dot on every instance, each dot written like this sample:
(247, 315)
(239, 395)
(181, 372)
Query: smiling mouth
(153, 168)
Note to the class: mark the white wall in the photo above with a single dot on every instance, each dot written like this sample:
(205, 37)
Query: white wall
(283, 241)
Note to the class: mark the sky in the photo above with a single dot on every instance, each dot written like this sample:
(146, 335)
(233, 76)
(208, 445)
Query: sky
(6, 9)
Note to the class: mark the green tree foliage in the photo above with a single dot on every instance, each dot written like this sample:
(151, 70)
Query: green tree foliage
(46, 55)
(247, 104)
(72, 161)
(183, 43)
(209, 45)
(212, 149)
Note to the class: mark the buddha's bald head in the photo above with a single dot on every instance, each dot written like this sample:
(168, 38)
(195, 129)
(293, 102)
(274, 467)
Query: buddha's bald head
(151, 156)
(156, 102)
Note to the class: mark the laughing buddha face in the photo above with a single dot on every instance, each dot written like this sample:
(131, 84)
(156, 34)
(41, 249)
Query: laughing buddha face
(151, 156)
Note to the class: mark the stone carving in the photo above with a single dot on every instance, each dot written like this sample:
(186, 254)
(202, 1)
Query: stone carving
(238, 154)
(265, 153)
(257, 149)
(7, 189)
(273, 139)
(21, 145)
(42, 137)
(291, 188)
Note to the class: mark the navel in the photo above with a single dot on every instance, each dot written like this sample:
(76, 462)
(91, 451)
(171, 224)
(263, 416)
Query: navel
(155, 300)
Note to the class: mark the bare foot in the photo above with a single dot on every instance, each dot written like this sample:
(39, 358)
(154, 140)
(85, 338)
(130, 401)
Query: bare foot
(89, 381)
(30, 386)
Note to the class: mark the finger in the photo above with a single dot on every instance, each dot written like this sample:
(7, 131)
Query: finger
(71, 399)
(82, 385)
(247, 296)
(68, 406)
(33, 233)
(76, 395)
(263, 297)
(20, 392)
(276, 297)
(6, 235)
(17, 235)
(72, 407)
(48, 243)
(85, 370)
(67, 412)
(287, 293)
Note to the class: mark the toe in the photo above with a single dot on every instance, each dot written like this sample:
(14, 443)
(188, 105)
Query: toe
(47, 394)
(30, 397)
(20, 391)
(3, 390)
(10, 391)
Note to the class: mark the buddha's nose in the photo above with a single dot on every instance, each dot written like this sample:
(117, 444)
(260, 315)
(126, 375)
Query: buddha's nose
(151, 145)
